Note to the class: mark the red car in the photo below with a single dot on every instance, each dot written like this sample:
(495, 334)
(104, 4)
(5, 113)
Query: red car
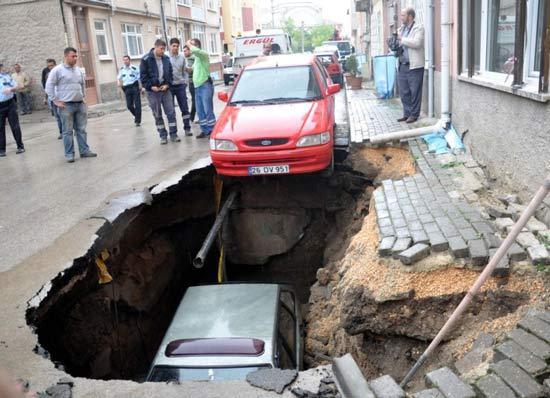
(279, 119)
(329, 59)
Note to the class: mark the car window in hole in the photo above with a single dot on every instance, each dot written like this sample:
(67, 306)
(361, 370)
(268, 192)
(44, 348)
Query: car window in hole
(287, 339)
(276, 83)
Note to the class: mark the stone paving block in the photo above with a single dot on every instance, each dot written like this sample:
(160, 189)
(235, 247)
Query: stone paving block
(450, 385)
(431, 227)
(459, 248)
(422, 210)
(516, 210)
(385, 246)
(449, 231)
(478, 252)
(431, 393)
(419, 236)
(386, 231)
(492, 386)
(483, 227)
(468, 234)
(538, 255)
(460, 222)
(527, 239)
(516, 253)
(531, 343)
(544, 315)
(386, 387)
(499, 211)
(503, 266)
(426, 218)
(415, 226)
(400, 245)
(380, 206)
(384, 222)
(399, 222)
(517, 379)
(520, 356)
(535, 225)
(502, 223)
(382, 213)
(402, 233)
(411, 217)
(396, 212)
(537, 327)
(414, 253)
(438, 242)
(477, 355)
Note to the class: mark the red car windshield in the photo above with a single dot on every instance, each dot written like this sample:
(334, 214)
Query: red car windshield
(284, 84)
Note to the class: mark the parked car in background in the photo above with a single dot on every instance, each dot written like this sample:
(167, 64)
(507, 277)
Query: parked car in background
(225, 331)
(328, 56)
(345, 49)
(228, 72)
(279, 119)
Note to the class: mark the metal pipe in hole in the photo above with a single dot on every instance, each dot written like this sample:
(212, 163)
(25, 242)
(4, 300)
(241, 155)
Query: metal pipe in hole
(198, 262)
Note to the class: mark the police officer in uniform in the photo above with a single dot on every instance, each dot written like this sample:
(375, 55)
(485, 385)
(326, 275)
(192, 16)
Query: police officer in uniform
(8, 111)
(128, 79)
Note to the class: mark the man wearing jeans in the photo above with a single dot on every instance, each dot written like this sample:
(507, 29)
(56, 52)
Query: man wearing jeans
(204, 88)
(179, 82)
(156, 76)
(50, 62)
(66, 88)
(24, 96)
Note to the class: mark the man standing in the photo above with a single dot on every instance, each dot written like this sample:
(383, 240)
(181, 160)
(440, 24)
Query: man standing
(156, 76)
(8, 110)
(24, 97)
(411, 65)
(204, 88)
(66, 88)
(50, 64)
(190, 61)
(128, 79)
(180, 79)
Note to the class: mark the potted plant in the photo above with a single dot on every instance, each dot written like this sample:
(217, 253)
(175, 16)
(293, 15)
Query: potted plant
(353, 77)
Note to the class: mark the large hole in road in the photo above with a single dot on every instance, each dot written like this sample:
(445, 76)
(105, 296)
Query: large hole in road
(277, 231)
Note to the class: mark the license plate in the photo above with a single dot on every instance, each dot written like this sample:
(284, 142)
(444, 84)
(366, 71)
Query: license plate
(275, 169)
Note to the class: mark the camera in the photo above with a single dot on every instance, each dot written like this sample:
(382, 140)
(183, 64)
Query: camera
(393, 44)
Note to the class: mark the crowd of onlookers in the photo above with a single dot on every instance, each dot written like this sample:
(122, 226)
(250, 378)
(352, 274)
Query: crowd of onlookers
(162, 76)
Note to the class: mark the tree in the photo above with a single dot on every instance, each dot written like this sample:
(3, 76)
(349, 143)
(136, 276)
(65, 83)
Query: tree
(313, 36)
(320, 33)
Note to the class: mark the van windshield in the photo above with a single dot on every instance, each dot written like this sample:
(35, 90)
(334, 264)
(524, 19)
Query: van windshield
(167, 373)
(343, 46)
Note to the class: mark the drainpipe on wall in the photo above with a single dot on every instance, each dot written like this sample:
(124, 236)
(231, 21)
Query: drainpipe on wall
(115, 55)
(430, 55)
(65, 30)
(445, 119)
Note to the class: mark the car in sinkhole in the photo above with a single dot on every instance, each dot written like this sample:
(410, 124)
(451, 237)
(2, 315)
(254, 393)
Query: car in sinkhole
(225, 331)
(279, 119)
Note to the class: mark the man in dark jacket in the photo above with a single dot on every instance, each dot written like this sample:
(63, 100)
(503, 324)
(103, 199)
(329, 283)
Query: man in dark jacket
(156, 77)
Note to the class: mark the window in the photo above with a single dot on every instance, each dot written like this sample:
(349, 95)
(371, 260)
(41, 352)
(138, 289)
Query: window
(213, 43)
(187, 31)
(158, 32)
(199, 33)
(184, 3)
(133, 40)
(197, 3)
(101, 38)
(494, 40)
(211, 4)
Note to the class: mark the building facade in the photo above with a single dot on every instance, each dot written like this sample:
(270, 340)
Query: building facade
(239, 16)
(103, 32)
(500, 61)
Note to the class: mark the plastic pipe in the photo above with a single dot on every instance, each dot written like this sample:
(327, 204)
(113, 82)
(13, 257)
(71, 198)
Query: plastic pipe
(500, 253)
(430, 56)
(403, 134)
(445, 62)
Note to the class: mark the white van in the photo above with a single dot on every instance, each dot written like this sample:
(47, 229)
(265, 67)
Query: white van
(251, 44)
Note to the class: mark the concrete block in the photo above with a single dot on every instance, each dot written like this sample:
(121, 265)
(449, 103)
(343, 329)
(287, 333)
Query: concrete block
(402, 233)
(521, 357)
(400, 245)
(459, 248)
(449, 384)
(460, 222)
(420, 237)
(502, 223)
(431, 393)
(517, 379)
(491, 240)
(386, 387)
(516, 253)
(531, 343)
(349, 378)
(535, 225)
(503, 266)
(527, 239)
(382, 213)
(537, 327)
(538, 255)
(426, 218)
(414, 253)
(478, 252)
(492, 386)
(386, 231)
(438, 242)
(498, 211)
(385, 246)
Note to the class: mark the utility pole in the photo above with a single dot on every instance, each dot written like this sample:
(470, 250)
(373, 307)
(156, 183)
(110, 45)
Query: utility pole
(272, 15)
(302, 27)
(163, 19)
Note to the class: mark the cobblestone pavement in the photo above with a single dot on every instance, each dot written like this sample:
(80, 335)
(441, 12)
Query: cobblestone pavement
(370, 116)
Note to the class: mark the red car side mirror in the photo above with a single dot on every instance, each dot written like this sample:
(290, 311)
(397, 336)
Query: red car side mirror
(332, 89)
(223, 96)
